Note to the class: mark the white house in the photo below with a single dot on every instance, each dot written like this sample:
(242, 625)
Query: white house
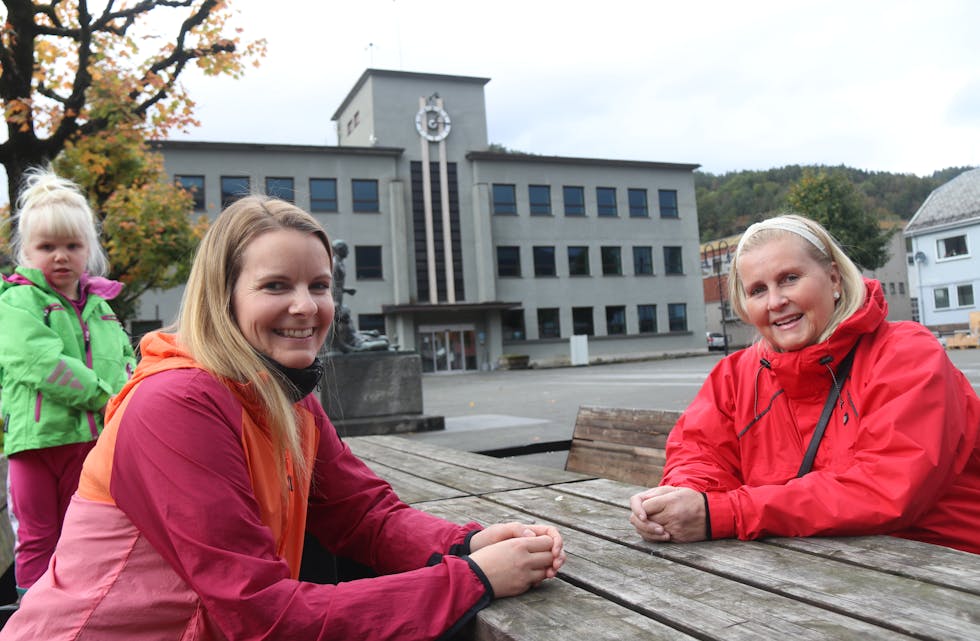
(942, 243)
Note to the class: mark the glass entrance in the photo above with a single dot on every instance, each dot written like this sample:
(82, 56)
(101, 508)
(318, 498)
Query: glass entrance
(447, 349)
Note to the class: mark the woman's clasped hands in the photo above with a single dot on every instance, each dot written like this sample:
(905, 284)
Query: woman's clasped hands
(516, 557)
(669, 513)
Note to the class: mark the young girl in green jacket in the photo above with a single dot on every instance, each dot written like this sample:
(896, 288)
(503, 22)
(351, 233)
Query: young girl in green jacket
(63, 353)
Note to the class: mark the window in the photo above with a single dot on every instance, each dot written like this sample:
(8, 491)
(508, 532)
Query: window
(365, 195)
(194, 185)
(539, 196)
(512, 324)
(891, 288)
(508, 260)
(951, 247)
(282, 188)
(668, 203)
(544, 260)
(646, 316)
(574, 198)
(578, 260)
(548, 323)
(901, 288)
(504, 199)
(612, 261)
(964, 295)
(582, 321)
(673, 262)
(233, 188)
(638, 203)
(371, 323)
(643, 261)
(605, 198)
(323, 194)
(367, 262)
(677, 316)
(941, 296)
(615, 319)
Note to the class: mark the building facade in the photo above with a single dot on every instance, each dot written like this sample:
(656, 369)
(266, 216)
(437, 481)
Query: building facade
(466, 254)
(943, 250)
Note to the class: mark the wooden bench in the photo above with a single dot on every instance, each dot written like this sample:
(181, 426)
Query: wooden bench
(620, 443)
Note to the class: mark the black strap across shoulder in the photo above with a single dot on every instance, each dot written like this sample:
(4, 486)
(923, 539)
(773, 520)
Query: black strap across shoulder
(828, 408)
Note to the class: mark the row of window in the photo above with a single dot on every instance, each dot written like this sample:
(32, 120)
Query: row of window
(583, 321)
(611, 256)
(964, 296)
(322, 191)
(573, 201)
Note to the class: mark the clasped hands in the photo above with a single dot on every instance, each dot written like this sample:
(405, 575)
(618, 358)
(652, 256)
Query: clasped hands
(516, 557)
(669, 513)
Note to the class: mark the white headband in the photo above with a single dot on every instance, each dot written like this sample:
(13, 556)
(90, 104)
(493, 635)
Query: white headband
(783, 224)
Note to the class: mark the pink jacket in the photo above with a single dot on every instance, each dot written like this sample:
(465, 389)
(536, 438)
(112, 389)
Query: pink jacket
(170, 537)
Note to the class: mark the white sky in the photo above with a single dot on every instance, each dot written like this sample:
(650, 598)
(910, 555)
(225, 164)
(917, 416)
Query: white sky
(879, 85)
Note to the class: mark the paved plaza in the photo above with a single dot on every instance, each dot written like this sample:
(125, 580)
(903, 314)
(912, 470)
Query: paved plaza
(512, 409)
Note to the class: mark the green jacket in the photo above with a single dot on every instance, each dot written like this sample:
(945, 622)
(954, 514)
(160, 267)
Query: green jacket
(57, 367)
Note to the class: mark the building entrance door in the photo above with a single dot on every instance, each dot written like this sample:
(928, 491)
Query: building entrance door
(448, 349)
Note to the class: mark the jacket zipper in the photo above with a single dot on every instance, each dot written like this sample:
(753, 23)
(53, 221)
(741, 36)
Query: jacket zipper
(93, 426)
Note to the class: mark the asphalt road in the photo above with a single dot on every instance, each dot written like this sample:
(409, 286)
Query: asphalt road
(512, 409)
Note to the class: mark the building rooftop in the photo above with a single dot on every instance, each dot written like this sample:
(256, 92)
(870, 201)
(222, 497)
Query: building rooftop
(954, 203)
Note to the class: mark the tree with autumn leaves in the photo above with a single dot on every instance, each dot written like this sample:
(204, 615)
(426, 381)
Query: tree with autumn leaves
(85, 88)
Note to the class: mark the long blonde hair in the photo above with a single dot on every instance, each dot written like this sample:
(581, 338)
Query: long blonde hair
(206, 325)
(821, 247)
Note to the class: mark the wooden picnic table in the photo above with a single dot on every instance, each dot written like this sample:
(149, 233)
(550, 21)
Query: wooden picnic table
(616, 586)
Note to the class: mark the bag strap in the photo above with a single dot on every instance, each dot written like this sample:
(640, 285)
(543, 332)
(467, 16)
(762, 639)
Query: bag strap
(828, 408)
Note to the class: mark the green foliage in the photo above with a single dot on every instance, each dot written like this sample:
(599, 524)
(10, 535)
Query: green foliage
(832, 200)
(728, 203)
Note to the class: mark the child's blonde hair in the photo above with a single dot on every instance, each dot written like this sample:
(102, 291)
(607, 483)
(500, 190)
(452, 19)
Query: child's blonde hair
(50, 204)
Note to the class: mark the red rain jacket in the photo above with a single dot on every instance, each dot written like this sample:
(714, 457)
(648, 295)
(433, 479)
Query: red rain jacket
(900, 456)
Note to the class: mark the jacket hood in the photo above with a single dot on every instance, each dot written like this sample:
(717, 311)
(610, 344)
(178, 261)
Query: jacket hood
(161, 351)
(104, 288)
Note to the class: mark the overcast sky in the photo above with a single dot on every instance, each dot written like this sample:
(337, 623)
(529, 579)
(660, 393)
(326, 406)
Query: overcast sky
(879, 85)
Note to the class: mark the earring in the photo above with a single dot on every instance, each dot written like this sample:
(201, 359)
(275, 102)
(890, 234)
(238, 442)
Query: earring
(836, 295)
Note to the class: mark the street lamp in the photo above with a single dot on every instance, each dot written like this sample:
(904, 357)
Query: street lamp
(717, 253)
(920, 258)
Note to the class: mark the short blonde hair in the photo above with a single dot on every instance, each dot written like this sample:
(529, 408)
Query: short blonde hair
(50, 204)
(821, 247)
(206, 325)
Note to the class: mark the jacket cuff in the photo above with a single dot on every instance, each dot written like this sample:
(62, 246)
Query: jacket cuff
(722, 522)
(462, 549)
(481, 603)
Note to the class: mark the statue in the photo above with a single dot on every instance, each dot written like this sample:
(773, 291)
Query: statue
(343, 337)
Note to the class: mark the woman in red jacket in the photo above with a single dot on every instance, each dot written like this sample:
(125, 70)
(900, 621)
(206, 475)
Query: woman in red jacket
(190, 516)
(899, 453)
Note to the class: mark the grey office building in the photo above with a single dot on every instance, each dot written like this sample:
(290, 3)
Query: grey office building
(466, 253)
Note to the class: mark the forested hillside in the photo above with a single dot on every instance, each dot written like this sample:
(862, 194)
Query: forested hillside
(728, 203)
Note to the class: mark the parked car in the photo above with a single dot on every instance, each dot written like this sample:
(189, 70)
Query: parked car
(716, 340)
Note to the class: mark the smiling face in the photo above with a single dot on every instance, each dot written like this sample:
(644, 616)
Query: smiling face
(60, 258)
(789, 295)
(282, 301)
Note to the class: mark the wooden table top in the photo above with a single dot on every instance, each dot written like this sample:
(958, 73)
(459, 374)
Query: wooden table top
(614, 585)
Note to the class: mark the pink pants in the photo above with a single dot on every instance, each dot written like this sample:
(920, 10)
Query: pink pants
(41, 485)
